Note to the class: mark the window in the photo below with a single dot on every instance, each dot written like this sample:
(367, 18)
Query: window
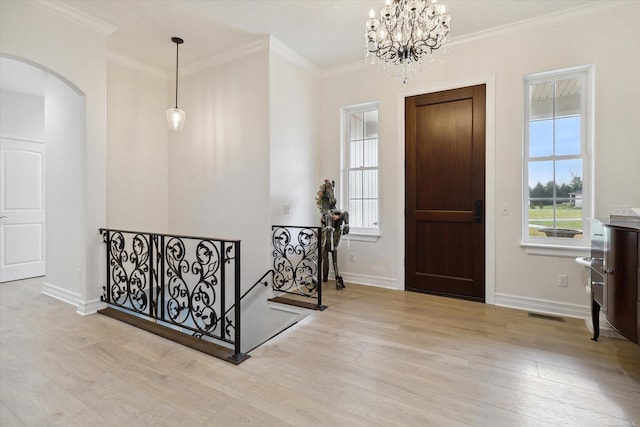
(557, 163)
(360, 166)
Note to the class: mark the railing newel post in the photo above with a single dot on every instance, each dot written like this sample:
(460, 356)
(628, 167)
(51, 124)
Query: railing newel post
(319, 264)
(223, 289)
(108, 257)
(237, 288)
(161, 276)
(152, 302)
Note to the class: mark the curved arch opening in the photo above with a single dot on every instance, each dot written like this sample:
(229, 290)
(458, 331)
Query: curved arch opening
(43, 111)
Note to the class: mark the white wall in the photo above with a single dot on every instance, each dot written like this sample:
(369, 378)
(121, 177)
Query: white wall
(609, 38)
(219, 163)
(21, 115)
(65, 187)
(136, 147)
(375, 262)
(294, 109)
(67, 48)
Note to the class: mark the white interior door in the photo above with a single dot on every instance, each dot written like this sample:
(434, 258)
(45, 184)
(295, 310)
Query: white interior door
(22, 208)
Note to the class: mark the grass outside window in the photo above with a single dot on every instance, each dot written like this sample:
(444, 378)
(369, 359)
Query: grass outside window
(567, 217)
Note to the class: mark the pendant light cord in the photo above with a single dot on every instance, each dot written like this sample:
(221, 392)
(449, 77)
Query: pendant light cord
(178, 41)
(177, 46)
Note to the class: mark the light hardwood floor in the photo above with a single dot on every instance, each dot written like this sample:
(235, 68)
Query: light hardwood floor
(375, 357)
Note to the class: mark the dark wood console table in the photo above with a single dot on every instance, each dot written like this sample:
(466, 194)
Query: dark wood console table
(615, 276)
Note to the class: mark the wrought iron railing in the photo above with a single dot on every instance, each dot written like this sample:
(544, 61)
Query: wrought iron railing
(190, 284)
(297, 262)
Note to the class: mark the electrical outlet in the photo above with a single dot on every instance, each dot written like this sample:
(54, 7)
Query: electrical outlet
(286, 209)
(352, 257)
(563, 280)
(505, 210)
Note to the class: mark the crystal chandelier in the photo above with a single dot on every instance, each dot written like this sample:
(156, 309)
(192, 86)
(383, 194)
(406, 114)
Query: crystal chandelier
(407, 34)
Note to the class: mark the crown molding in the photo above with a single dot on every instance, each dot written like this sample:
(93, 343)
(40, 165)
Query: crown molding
(566, 16)
(533, 24)
(74, 15)
(225, 57)
(268, 43)
(128, 62)
(345, 68)
(292, 56)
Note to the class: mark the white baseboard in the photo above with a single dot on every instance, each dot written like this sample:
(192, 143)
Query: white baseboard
(291, 309)
(363, 279)
(90, 307)
(61, 294)
(72, 298)
(542, 306)
(535, 305)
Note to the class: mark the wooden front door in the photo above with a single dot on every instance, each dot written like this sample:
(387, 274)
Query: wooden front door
(445, 192)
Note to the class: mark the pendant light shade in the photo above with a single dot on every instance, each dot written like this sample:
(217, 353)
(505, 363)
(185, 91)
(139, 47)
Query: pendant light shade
(175, 116)
(175, 119)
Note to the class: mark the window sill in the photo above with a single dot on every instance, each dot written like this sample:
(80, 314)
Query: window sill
(555, 250)
(362, 236)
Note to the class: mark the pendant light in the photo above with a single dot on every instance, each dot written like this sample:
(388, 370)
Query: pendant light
(175, 116)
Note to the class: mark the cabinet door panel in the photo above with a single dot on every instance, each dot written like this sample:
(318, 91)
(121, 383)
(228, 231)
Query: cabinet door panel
(622, 282)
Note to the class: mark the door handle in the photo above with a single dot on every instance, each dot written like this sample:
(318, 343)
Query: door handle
(3, 216)
(478, 211)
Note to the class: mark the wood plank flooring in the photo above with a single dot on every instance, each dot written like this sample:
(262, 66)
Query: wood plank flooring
(375, 357)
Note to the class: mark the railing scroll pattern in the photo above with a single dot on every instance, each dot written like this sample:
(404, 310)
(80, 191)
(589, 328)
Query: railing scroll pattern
(296, 261)
(186, 283)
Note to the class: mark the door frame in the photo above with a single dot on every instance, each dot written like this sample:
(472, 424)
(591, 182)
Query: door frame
(490, 175)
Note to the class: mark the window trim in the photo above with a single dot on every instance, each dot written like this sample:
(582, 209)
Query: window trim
(357, 233)
(552, 245)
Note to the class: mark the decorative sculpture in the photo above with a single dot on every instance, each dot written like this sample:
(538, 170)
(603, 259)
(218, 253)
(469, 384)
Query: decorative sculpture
(335, 223)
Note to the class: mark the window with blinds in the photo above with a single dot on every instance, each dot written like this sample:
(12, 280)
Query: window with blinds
(361, 167)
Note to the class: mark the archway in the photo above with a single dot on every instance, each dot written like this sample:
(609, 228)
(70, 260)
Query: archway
(47, 109)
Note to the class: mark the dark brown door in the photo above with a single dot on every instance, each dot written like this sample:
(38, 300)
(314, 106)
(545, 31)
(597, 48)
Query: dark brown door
(445, 182)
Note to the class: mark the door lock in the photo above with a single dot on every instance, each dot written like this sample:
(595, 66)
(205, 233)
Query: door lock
(478, 211)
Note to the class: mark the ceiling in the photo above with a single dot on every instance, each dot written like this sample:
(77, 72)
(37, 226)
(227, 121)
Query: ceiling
(328, 33)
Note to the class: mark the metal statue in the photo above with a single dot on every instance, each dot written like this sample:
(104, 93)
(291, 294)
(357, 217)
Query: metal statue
(335, 223)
